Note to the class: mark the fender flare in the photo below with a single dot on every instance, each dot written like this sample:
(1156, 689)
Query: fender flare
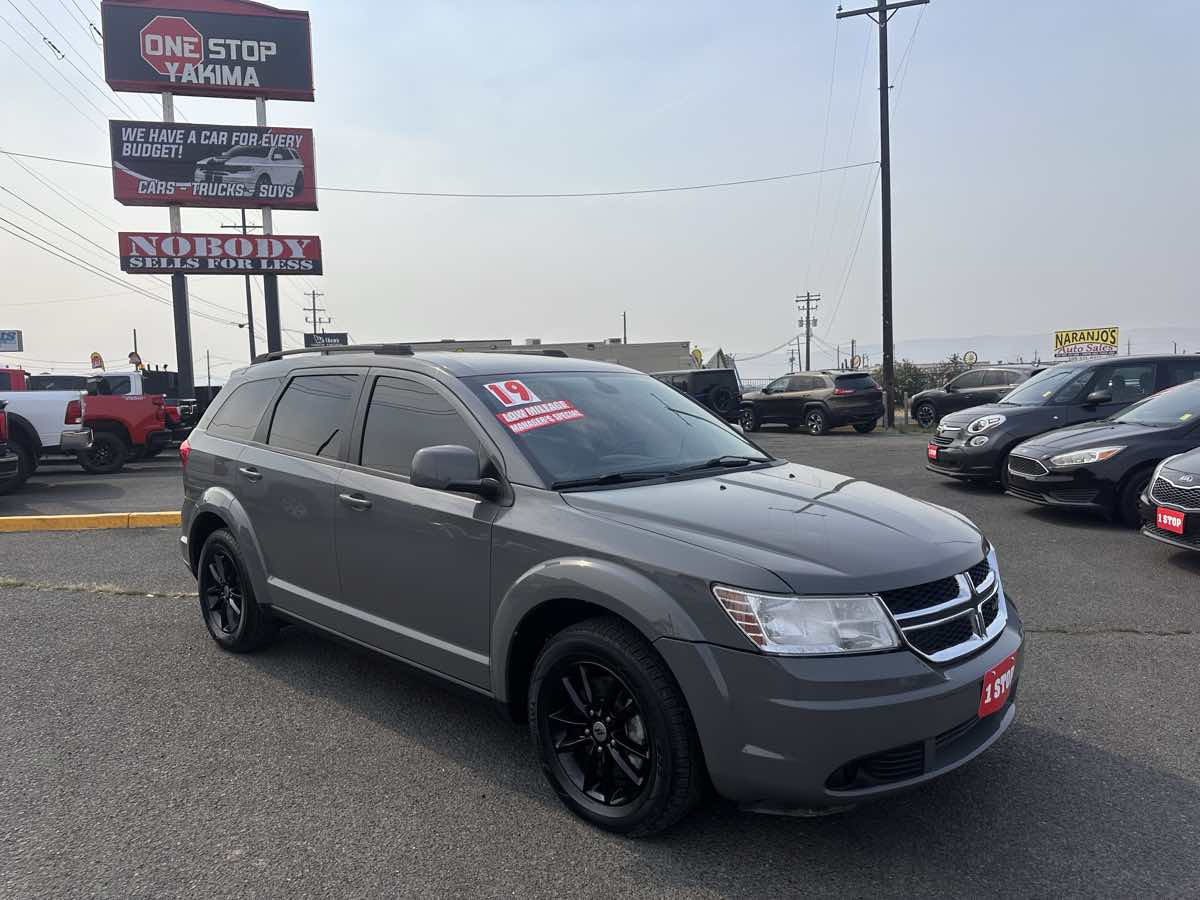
(20, 427)
(219, 501)
(602, 583)
(820, 404)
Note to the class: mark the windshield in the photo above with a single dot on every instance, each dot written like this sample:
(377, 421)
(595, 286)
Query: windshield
(244, 150)
(582, 426)
(1172, 407)
(1041, 388)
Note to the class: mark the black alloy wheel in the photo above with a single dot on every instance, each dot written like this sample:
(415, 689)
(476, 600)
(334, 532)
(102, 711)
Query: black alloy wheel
(25, 468)
(748, 419)
(221, 594)
(815, 421)
(612, 729)
(227, 604)
(925, 414)
(105, 456)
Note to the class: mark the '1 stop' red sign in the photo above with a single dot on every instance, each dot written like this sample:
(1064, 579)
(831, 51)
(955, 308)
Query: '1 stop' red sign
(168, 43)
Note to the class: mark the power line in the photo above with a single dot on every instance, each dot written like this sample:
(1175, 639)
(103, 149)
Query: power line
(57, 52)
(29, 68)
(497, 196)
(66, 299)
(853, 253)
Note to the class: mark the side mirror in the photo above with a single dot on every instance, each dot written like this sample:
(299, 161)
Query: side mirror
(450, 467)
(1095, 398)
(950, 389)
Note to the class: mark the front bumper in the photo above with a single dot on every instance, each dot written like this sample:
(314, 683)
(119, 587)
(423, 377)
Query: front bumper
(1189, 540)
(783, 733)
(1071, 489)
(72, 441)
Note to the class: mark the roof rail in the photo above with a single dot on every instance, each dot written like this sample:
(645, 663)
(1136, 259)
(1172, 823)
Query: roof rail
(391, 349)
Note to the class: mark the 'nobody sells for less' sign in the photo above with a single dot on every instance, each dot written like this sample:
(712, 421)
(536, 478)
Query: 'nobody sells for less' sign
(157, 253)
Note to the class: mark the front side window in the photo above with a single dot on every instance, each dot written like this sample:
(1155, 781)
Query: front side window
(576, 426)
(238, 417)
(311, 415)
(778, 386)
(1042, 387)
(405, 416)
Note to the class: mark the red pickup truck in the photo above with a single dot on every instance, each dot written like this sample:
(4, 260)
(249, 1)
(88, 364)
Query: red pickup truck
(126, 424)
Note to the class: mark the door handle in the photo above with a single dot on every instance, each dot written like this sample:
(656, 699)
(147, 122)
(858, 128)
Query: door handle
(251, 473)
(355, 501)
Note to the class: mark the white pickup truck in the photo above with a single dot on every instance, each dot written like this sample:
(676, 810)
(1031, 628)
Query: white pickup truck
(41, 422)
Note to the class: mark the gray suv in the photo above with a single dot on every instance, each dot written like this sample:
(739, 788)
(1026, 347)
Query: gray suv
(664, 603)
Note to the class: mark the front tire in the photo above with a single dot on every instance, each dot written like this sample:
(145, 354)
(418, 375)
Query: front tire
(926, 414)
(749, 420)
(816, 421)
(227, 605)
(612, 730)
(1127, 500)
(25, 467)
(105, 456)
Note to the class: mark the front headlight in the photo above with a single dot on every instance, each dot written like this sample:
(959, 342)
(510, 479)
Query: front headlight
(983, 423)
(809, 625)
(1084, 457)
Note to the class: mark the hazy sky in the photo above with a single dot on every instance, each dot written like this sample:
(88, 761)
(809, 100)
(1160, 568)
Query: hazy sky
(1044, 158)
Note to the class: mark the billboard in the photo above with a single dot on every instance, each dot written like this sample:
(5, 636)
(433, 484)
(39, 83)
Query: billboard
(1087, 342)
(11, 341)
(327, 339)
(156, 253)
(211, 48)
(165, 163)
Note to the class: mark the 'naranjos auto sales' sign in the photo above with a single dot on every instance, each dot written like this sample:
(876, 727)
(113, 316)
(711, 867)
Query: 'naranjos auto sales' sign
(214, 48)
(163, 163)
(219, 254)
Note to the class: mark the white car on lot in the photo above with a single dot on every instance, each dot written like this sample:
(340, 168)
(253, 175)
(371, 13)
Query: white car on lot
(41, 422)
(256, 166)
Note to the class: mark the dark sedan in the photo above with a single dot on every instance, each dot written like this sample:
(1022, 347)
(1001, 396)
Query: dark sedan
(1105, 466)
(973, 388)
(1170, 507)
(975, 443)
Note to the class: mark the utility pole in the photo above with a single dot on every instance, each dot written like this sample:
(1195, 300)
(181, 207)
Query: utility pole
(208, 369)
(135, 340)
(315, 319)
(883, 11)
(180, 309)
(624, 328)
(249, 303)
(1128, 347)
(853, 345)
(809, 300)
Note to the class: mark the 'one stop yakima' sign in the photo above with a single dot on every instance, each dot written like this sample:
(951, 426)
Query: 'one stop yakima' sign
(219, 254)
(168, 43)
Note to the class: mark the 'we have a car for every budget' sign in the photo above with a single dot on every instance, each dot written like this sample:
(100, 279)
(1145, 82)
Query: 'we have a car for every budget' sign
(219, 254)
(159, 164)
(214, 48)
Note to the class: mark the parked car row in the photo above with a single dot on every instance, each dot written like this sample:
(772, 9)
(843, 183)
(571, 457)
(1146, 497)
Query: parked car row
(1118, 436)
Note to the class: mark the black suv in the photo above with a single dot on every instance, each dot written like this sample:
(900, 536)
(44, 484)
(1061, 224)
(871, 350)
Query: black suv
(717, 389)
(816, 402)
(975, 443)
(973, 388)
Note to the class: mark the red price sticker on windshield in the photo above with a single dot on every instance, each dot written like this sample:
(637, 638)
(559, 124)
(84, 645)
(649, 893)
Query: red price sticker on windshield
(511, 393)
(527, 418)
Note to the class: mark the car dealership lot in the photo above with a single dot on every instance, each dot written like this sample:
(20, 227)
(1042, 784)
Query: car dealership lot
(143, 761)
(61, 487)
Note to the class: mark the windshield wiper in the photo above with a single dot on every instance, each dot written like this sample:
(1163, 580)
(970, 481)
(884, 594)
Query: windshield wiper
(728, 461)
(610, 478)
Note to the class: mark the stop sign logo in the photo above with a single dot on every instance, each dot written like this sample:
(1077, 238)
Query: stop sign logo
(168, 43)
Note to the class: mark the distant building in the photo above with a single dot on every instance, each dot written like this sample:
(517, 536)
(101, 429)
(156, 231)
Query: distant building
(657, 356)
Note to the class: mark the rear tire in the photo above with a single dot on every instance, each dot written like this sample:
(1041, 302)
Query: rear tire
(227, 605)
(612, 730)
(866, 427)
(105, 456)
(1127, 499)
(926, 414)
(816, 421)
(25, 467)
(749, 420)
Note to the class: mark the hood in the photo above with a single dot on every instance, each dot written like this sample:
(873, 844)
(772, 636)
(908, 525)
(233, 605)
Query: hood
(753, 395)
(927, 393)
(818, 531)
(1088, 434)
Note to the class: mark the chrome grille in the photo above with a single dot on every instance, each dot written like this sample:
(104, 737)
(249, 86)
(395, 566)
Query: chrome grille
(1023, 465)
(949, 618)
(1184, 498)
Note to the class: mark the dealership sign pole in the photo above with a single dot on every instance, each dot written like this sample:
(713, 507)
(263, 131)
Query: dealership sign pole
(212, 48)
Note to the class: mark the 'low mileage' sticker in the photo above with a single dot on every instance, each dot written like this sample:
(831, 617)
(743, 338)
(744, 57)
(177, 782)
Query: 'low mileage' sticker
(539, 415)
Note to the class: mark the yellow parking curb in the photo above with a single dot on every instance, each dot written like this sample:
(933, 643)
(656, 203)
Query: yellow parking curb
(10, 524)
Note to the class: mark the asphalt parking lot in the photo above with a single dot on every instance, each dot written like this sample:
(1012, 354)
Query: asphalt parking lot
(144, 762)
(61, 487)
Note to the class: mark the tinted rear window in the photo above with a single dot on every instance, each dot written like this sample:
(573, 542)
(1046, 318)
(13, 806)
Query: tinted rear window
(857, 381)
(238, 416)
(311, 415)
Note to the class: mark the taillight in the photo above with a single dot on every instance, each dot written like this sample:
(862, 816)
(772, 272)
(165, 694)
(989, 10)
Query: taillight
(842, 392)
(3, 426)
(184, 449)
(160, 412)
(74, 412)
